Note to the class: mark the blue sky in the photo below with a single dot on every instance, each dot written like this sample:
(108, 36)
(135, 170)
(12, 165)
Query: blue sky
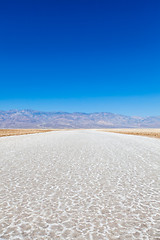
(80, 55)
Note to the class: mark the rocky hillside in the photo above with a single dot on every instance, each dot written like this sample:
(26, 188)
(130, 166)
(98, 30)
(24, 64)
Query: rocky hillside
(38, 119)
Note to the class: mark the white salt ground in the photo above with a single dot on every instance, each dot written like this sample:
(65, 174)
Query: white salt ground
(80, 184)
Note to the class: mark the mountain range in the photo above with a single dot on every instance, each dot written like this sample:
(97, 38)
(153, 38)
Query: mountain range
(40, 119)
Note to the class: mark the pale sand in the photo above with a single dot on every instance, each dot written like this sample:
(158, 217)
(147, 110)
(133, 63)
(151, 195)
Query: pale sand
(79, 185)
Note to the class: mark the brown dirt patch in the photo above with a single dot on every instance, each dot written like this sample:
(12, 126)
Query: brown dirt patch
(12, 132)
(140, 132)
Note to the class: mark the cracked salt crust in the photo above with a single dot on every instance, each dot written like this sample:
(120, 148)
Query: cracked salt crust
(79, 185)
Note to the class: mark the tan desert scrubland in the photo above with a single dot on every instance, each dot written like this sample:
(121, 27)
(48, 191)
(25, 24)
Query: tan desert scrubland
(150, 132)
(12, 132)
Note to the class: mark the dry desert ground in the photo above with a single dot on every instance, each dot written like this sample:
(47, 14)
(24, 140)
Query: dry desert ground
(12, 132)
(148, 132)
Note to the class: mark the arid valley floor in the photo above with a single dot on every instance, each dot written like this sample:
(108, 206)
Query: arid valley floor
(15, 132)
(81, 184)
(150, 132)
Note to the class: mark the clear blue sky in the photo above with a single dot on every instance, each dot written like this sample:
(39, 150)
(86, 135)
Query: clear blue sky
(80, 55)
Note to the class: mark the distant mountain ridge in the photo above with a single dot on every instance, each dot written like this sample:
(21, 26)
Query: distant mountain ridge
(41, 119)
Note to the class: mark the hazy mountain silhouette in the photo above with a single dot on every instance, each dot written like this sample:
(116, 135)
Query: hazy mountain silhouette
(40, 119)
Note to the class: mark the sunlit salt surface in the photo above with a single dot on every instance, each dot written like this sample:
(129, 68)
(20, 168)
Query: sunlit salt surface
(81, 184)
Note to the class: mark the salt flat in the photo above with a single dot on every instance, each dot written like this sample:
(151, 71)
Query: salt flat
(80, 184)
